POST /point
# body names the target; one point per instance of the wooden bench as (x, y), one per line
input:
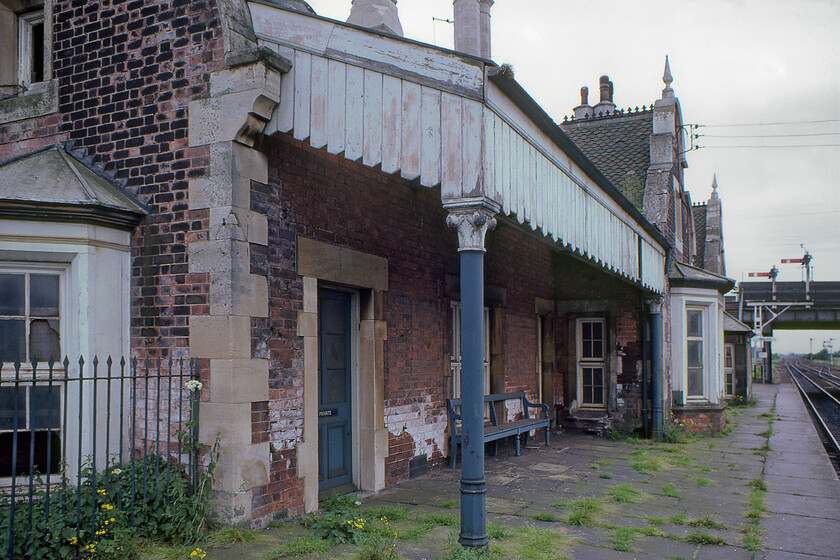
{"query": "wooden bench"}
(495, 431)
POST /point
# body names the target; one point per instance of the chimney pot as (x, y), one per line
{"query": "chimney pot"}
(584, 95)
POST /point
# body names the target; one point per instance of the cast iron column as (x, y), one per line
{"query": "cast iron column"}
(656, 364)
(472, 217)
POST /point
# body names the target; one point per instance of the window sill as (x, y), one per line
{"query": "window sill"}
(39, 100)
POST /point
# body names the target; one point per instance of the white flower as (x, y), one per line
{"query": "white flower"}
(194, 385)
(357, 502)
(117, 471)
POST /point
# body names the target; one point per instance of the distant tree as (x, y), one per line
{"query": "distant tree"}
(822, 354)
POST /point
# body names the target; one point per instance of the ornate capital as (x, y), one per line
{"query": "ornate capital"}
(473, 218)
(655, 305)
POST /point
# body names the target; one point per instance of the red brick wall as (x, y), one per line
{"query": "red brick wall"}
(126, 73)
(317, 195)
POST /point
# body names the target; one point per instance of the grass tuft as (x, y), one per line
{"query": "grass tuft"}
(498, 531)
(449, 504)
(441, 519)
(299, 547)
(704, 538)
(621, 537)
(706, 522)
(390, 513)
(582, 512)
(625, 493)
(644, 463)
(230, 535)
(671, 490)
(546, 516)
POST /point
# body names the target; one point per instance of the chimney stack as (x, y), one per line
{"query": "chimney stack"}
(467, 27)
(380, 15)
(472, 27)
(484, 7)
(583, 110)
(605, 106)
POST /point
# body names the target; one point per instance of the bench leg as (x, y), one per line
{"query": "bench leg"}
(453, 453)
(495, 448)
(517, 444)
(546, 436)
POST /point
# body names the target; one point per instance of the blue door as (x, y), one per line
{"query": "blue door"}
(334, 398)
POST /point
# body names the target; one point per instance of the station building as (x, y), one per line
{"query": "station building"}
(284, 197)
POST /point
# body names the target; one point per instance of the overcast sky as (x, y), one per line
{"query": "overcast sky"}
(734, 62)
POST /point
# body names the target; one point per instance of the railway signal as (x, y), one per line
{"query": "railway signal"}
(771, 274)
(805, 261)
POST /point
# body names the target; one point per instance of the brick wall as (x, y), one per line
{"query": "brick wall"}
(324, 197)
(126, 73)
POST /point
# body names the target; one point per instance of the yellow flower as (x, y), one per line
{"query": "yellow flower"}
(74, 540)
(107, 506)
(100, 491)
(198, 553)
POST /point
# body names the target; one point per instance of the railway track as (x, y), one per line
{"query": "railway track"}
(821, 394)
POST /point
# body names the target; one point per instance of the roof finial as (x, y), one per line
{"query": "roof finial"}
(667, 78)
(714, 188)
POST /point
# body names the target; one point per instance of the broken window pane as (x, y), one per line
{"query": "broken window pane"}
(43, 340)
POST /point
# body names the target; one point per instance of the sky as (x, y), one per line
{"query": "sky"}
(738, 66)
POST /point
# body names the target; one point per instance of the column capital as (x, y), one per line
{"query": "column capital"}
(473, 217)
(655, 305)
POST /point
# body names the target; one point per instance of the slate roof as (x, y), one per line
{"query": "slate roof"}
(52, 184)
(698, 211)
(620, 147)
(681, 274)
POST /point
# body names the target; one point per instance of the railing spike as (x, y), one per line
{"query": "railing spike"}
(109, 361)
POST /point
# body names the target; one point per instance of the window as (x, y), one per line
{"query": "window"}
(29, 330)
(29, 317)
(695, 352)
(729, 370)
(34, 412)
(31, 47)
(591, 351)
(455, 349)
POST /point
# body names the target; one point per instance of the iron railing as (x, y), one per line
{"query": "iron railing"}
(68, 431)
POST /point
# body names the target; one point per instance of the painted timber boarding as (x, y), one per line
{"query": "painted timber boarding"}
(436, 117)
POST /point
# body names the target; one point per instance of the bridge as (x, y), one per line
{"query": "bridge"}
(787, 305)
(784, 306)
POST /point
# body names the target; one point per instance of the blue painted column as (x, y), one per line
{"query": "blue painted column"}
(472, 217)
(656, 374)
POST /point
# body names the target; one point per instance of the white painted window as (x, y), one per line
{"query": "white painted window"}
(695, 351)
(729, 369)
(31, 48)
(29, 315)
(591, 362)
(455, 349)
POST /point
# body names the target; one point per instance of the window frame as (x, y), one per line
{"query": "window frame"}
(728, 370)
(26, 23)
(591, 362)
(28, 269)
(703, 339)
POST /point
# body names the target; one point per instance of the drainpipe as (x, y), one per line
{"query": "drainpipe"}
(645, 423)
(656, 364)
(472, 217)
